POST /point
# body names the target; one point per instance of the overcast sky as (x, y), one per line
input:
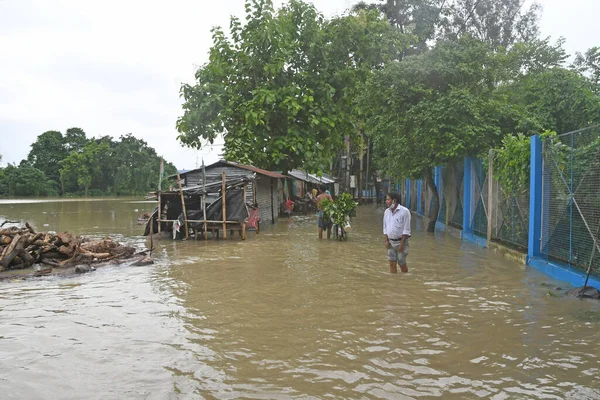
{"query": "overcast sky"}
(115, 67)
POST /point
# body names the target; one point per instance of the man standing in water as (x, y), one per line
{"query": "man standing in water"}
(320, 222)
(396, 230)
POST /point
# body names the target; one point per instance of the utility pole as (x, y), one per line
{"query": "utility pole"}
(359, 184)
(367, 180)
(348, 162)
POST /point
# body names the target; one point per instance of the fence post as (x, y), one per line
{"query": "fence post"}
(438, 184)
(535, 199)
(407, 190)
(467, 206)
(490, 204)
(419, 208)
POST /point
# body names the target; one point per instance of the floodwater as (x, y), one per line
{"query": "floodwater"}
(284, 315)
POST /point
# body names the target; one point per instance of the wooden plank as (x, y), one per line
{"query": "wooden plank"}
(204, 209)
(159, 214)
(245, 188)
(215, 222)
(245, 208)
(224, 197)
(151, 235)
(490, 195)
(183, 206)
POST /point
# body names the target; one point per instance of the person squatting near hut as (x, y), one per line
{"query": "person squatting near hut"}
(320, 222)
(396, 231)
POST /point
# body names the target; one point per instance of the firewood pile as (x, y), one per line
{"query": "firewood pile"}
(23, 247)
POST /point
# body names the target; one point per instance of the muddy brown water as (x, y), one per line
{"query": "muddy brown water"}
(284, 315)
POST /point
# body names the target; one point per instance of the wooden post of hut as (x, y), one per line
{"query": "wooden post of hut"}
(204, 212)
(490, 204)
(204, 199)
(243, 231)
(185, 222)
(224, 197)
(158, 216)
(161, 169)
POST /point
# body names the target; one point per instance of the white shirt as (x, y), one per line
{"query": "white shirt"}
(396, 223)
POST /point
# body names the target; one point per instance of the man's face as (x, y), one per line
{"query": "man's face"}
(388, 201)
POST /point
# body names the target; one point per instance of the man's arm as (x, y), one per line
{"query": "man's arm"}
(401, 247)
(385, 236)
(405, 231)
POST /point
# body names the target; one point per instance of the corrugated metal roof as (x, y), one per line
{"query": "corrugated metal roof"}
(210, 187)
(311, 178)
(253, 169)
(243, 166)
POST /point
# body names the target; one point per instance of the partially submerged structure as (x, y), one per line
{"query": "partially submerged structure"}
(195, 205)
(302, 182)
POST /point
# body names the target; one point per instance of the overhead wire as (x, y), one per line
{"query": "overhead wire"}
(468, 18)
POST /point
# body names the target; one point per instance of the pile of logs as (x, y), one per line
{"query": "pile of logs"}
(23, 247)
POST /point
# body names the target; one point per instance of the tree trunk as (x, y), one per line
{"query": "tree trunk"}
(359, 179)
(433, 213)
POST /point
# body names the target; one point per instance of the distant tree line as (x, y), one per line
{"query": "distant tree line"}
(73, 165)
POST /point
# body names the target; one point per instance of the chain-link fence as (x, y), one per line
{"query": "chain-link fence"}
(571, 198)
(510, 212)
(441, 194)
(413, 195)
(570, 203)
(511, 216)
(479, 178)
(457, 193)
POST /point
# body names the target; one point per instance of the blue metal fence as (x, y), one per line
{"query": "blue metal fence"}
(556, 218)
(571, 198)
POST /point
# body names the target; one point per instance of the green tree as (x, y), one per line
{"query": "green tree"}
(85, 165)
(434, 109)
(535, 56)
(3, 183)
(588, 64)
(499, 23)
(555, 99)
(137, 166)
(75, 140)
(26, 180)
(280, 87)
(104, 179)
(47, 152)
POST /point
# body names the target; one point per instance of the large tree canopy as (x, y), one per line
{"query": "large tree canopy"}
(280, 88)
(46, 153)
(588, 64)
(555, 99)
(499, 23)
(436, 108)
(25, 180)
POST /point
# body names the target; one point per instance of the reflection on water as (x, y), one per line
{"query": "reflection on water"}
(284, 315)
(90, 217)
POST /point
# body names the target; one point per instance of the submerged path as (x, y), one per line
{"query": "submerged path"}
(284, 315)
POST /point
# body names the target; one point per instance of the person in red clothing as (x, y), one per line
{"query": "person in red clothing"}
(289, 207)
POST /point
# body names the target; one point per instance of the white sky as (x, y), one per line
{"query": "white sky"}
(115, 67)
